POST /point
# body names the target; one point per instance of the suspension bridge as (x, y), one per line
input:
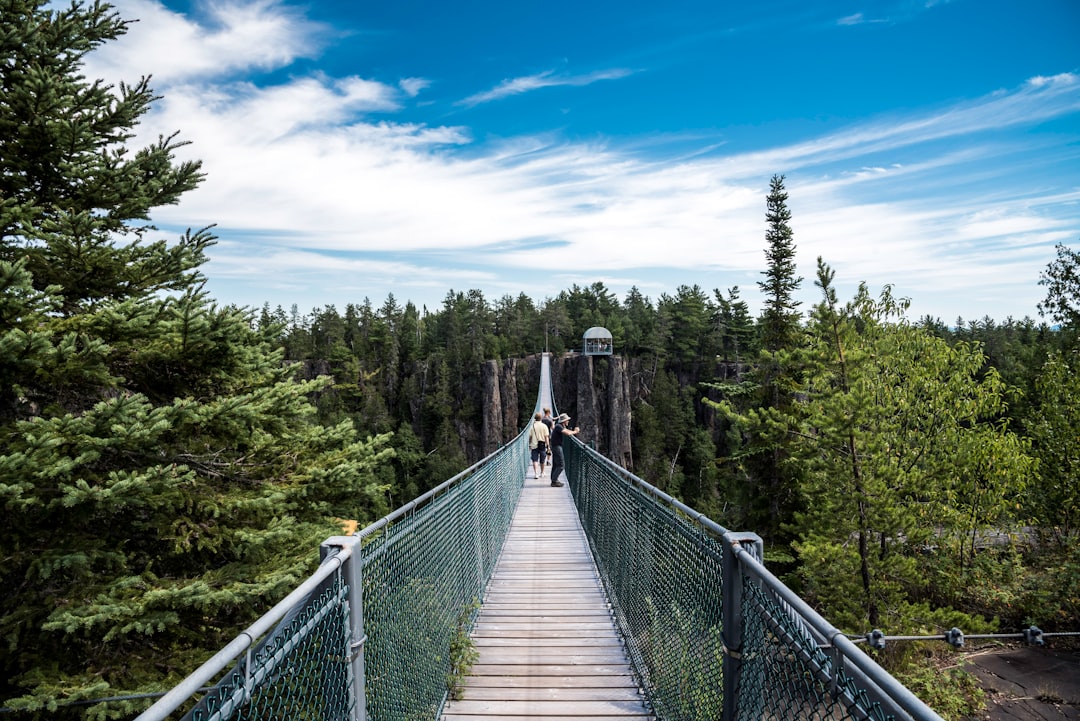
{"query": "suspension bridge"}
(497, 595)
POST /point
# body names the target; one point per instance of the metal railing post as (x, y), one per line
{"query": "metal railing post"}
(732, 632)
(352, 574)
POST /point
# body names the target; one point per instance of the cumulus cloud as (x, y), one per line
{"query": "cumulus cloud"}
(231, 36)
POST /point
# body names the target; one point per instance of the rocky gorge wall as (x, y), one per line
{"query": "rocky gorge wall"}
(593, 390)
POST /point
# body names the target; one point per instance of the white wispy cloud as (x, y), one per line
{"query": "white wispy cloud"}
(547, 79)
(894, 11)
(318, 190)
(413, 86)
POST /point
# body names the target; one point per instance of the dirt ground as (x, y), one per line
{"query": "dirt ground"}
(1028, 683)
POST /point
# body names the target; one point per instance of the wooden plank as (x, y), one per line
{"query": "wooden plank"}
(578, 708)
(538, 656)
(491, 632)
(599, 683)
(450, 716)
(548, 693)
(534, 641)
(551, 669)
(547, 644)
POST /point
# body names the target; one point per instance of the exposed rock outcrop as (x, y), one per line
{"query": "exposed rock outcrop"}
(491, 421)
(500, 416)
(594, 390)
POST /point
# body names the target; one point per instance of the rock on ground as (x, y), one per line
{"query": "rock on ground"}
(1028, 683)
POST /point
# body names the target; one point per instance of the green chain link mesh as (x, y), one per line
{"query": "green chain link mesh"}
(663, 573)
(423, 578)
(299, 671)
(423, 573)
(663, 579)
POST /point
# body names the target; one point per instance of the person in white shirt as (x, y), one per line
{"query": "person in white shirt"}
(538, 445)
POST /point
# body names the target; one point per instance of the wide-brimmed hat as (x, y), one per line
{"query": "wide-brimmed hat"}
(563, 418)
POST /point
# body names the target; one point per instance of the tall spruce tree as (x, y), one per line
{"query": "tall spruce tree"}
(771, 496)
(780, 316)
(162, 479)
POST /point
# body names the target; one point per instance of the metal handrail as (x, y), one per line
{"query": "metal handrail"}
(225, 658)
(846, 656)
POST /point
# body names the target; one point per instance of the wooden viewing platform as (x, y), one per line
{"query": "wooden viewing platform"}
(547, 644)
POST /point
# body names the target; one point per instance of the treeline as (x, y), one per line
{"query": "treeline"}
(416, 373)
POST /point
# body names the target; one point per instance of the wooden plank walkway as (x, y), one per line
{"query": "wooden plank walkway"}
(547, 643)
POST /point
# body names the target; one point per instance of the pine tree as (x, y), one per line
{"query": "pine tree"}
(735, 327)
(162, 477)
(640, 323)
(780, 317)
(762, 453)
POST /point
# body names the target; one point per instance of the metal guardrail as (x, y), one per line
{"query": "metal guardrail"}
(710, 631)
(369, 633)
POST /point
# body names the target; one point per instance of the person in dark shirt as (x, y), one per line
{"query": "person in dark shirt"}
(548, 421)
(557, 433)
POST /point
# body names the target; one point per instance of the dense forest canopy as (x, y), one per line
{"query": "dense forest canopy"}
(162, 472)
(168, 465)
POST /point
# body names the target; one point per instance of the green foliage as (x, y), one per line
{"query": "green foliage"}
(737, 335)
(780, 317)
(936, 675)
(686, 325)
(463, 653)
(162, 474)
(903, 450)
(687, 661)
(1054, 428)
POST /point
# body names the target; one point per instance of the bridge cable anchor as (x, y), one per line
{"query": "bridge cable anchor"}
(876, 639)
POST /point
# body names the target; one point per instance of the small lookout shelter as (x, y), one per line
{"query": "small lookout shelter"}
(597, 341)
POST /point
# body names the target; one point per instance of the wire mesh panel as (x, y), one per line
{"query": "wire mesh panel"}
(423, 576)
(663, 578)
(665, 567)
(299, 671)
(422, 570)
(790, 670)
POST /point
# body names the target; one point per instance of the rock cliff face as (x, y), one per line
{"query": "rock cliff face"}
(501, 417)
(593, 390)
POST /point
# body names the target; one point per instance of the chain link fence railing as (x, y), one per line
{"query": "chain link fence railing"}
(370, 634)
(710, 632)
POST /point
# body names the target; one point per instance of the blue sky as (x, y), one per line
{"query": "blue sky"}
(357, 149)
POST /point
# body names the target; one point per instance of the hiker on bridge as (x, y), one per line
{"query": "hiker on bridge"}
(538, 443)
(557, 433)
